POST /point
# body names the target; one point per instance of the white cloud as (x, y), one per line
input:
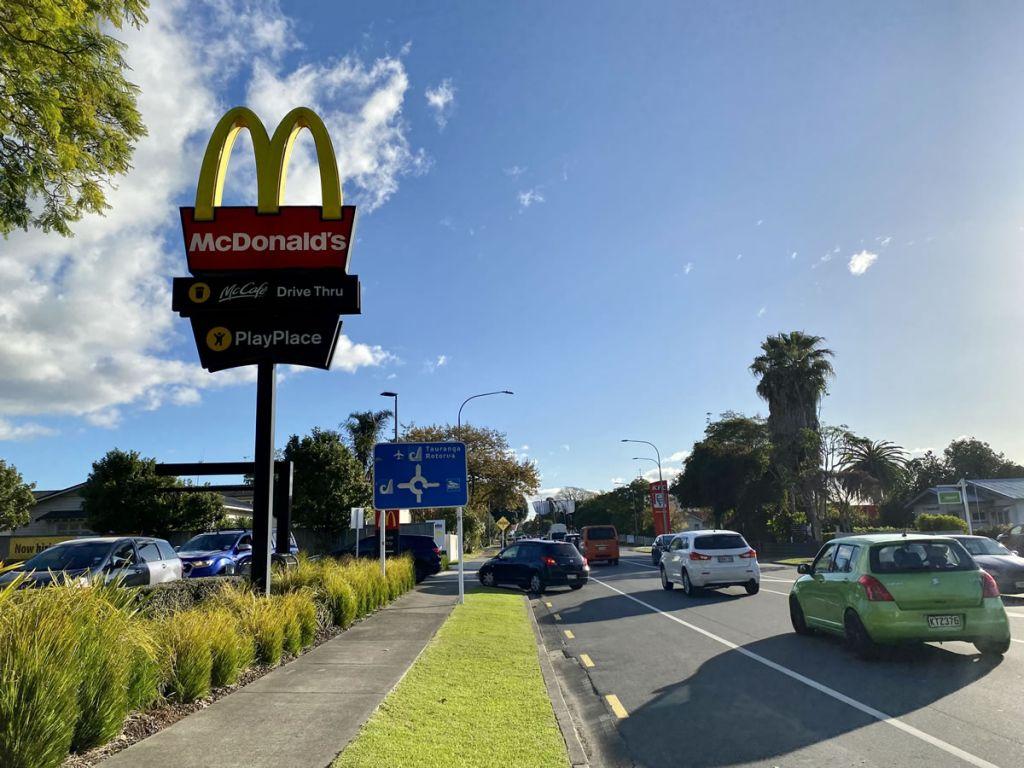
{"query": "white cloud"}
(530, 197)
(760, 222)
(86, 321)
(688, 268)
(26, 431)
(861, 262)
(739, 257)
(524, 448)
(433, 365)
(679, 456)
(441, 100)
(514, 171)
(793, 255)
(565, 447)
(667, 473)
(827, 257)
(618, 480)
(885, 241)
(761, 311)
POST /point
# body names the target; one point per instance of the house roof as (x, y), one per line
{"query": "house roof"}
(40, 495)
(1011, 488)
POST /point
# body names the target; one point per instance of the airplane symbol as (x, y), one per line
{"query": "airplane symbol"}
(418, 480)
(399, 455)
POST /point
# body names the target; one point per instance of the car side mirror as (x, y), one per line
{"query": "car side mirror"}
(245, 547)
(805, 569)
(177, 549)
(117, 564)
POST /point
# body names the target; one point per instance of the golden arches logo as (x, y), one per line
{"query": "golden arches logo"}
(272, 154)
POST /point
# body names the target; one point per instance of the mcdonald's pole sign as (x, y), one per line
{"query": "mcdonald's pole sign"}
(269, 282)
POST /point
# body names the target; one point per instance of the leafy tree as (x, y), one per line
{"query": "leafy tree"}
(123, 494)
(876, 468)
(16, 500)
(329, 481)
(727, 471)
(974, 459)
(498, 480)
(364, 429)
(793, 372)
(625, 507)
(68, 118)
(925, 472)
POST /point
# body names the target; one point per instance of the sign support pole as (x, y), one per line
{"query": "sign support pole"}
(462, 557)
(967, 507)
(263, 476)
(382, 524)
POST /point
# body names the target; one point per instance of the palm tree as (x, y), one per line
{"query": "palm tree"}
(879, 467)
(364, 428)
(794, 371)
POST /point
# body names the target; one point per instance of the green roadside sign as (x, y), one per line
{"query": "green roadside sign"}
(949, 497)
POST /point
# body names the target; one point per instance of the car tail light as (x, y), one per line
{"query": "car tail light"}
(699, 556)
(549, 560)
(875, 589)
(437, 551)
(749, 553)
(585, 563)
(989, 588)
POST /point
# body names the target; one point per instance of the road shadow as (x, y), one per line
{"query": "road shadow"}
(612, 606)
(716, 711)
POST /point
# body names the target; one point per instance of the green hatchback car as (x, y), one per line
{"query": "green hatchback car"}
(885, 589)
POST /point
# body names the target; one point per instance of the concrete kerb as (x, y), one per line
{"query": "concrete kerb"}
(577, 754)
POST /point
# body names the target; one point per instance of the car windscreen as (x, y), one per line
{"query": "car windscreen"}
(601, 533)
(918, 556)
(720, 541)
(69, 557)
(984, 547)
(209, 541)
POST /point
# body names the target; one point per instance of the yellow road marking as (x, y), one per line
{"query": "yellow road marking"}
(558, 617)
(616, 705)
(587, 662)
(569, 634)
(547, 603)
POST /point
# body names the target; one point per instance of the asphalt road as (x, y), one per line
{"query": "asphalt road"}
(722, 680)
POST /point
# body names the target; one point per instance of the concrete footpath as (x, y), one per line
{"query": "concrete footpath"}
(303, 714)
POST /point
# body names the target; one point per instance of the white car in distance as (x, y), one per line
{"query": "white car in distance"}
(710, 558)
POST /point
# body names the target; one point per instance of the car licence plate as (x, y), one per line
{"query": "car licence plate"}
(725, 558)
(945, 622)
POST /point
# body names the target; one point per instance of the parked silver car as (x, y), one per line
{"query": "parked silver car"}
(133, 561)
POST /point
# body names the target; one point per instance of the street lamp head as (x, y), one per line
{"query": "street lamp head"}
(507, 392)
(389, 394)
(626, 440)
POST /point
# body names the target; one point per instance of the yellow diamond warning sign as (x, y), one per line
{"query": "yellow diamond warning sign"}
(503, 523)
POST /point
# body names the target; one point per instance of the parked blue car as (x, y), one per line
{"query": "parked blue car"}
(220, 553)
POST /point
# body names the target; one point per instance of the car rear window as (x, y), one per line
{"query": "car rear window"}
(914, 556)
(720, 541)
(558, 549)
(601, 533)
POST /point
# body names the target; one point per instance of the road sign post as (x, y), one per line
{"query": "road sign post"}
(421, 476)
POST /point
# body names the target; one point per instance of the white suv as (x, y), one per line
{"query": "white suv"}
(698, 559)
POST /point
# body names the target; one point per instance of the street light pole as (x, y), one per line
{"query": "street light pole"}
(382, 519)
(462, 549)
(656, 451)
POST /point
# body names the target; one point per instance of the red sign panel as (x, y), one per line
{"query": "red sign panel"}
(390, 520)
(241, 238)
(659, 506)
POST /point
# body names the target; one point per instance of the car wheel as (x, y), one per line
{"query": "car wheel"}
(688, 588)
(537, 584)
(857, 637)
(753, 587)
(796, 617)
(575, 586)
(487, 578)
(665, 583)
(992, 647)
(615, 561)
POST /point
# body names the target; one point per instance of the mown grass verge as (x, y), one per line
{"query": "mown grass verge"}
(475, 698)
(76, 661)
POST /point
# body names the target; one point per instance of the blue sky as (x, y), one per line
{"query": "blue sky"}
(604, 207)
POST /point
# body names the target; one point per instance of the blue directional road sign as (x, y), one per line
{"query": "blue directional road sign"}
(419, 475)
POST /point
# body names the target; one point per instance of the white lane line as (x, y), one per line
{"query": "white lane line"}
(780, 581)
(1015, 615)
(878, 715)
(1016, 640)
(784, 594)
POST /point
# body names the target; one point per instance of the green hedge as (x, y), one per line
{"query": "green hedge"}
(940, 523)
(75, 661)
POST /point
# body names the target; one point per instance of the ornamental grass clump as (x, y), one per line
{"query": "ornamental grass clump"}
(231, 649)
(188, 645)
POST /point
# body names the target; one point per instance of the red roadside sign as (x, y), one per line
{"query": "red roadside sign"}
(659, 506)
